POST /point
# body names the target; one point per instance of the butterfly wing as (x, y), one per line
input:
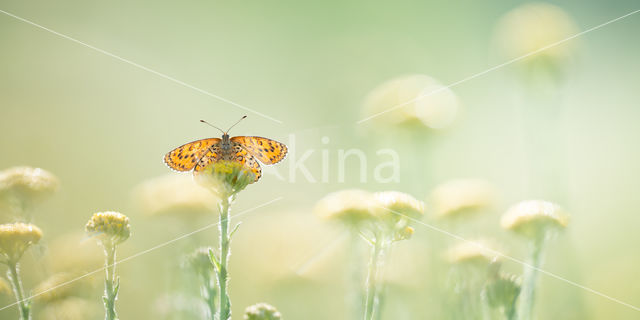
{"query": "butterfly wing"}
(237, 154)
(266, 150)
(185, 157)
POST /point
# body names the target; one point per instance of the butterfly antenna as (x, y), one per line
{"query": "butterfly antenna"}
(212, 125)
(236, 123)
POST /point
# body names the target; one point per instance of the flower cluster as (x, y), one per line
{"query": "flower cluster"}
(225, 178)
(27, 182)
(534, 219)
(262, 311)
(174, 194)
(533, 26)
(15, 239)
(420, 108)
(110, 226)
(388, 212)
(459, 198)
(477, 253)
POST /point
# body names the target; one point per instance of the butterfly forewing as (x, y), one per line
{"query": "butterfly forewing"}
(186, 157)
(266, 150)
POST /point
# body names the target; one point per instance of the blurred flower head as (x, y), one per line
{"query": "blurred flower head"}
(73, 253)
(69, 309)
(5, 287)
(534, 219)
(388, 212)
(225, 178)
(459, 198)
(351, 207)
(110, 227)
(534, 26)
(262, 311)
(15, 239)
(412, 100)
(396, 210)
(473, 253)
(26, 184)
(174, 194)
(502, 290)
(200, 261)
(58, 286)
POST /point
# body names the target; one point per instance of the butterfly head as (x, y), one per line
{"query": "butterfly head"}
(225, 134)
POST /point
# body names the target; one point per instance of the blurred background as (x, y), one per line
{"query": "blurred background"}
(560, 127)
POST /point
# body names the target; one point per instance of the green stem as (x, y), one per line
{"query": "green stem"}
(14, 277)
(374, 279)
(530, 277)
(111, 285)
(224, 302)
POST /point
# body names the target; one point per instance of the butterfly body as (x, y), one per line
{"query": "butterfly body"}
(247, 150)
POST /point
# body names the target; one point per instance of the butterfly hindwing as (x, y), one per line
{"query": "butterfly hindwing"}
(241, 155)
(266, 150)
(187, 156)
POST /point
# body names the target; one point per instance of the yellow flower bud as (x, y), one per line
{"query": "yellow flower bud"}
(109, 226)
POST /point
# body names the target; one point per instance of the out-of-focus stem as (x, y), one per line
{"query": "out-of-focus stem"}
(209, 293)
(14, 277)
(527, 295)
(374, 278)
(356, 274)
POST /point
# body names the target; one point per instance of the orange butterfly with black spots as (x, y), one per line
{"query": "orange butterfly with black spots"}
(197, 155)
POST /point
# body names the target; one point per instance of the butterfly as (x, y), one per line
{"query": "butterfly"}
(197, 155)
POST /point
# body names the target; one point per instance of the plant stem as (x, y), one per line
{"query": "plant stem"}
(110, 283)
(527, 295)
(225, 303)
(374, 278)
(14, 277)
